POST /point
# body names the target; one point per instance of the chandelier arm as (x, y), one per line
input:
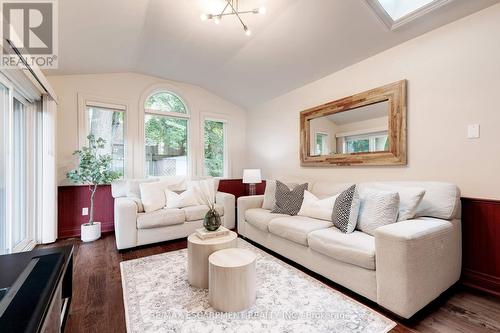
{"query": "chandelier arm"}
(236, 13)
(228, 14)
(222, 13)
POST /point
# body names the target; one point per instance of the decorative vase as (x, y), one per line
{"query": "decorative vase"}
(91, 232)
(212, 221)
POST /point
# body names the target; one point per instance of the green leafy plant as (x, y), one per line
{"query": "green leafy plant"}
(94, 169)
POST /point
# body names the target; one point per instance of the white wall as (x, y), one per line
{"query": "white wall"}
(453, 78)
(129, 88)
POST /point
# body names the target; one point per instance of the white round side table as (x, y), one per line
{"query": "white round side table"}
(231, 280)
(198, 252)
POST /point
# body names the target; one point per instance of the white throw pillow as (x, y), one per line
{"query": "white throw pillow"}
(175, 183)
(409, 199)
(378, 208)
(203, 189)
(184, 199)
(317, 208)
(133, 186)
(153, 195)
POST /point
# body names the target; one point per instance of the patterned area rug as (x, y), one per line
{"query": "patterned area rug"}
(158, 298)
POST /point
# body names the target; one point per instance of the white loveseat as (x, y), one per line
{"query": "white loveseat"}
(403, 267)
(134, 227)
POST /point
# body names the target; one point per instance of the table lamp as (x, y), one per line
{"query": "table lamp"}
(251, 177)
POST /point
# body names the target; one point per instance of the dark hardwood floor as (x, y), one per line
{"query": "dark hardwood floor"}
(97, 304)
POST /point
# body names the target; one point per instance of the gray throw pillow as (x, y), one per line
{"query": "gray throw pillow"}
(377, 208)
(346, 210)
(288, 201)
(270, 193)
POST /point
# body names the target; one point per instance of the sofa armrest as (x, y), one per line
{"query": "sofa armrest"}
(125, 223)
(416, 260)
(228, 201)
(245, 203)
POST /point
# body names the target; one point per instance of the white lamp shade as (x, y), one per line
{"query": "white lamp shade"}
(252, 176)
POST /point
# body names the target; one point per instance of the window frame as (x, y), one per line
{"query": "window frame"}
(206, 116)
(392, 24)
(323, 135)
(166, 113)
(88, 100)
(32, 183)
(141, 167)
(371, 137)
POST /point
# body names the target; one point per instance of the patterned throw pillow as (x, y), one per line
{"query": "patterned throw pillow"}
(288, 201)
(346, 209)
(270, 194)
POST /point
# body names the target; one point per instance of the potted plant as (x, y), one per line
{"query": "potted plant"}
(93, 170)
(212, 220)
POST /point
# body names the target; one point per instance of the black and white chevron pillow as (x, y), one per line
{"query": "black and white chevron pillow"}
(346, 210)
(288, 201)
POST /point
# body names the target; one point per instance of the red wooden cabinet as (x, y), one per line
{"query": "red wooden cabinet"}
(481, 244)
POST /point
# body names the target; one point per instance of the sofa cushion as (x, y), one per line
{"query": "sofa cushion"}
(355, 248)
(260, 218)
(296, 228)
(195, 213)
(160, 218)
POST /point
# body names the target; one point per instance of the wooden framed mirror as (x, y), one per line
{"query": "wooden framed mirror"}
(364, 129)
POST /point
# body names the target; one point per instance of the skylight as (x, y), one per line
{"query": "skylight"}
(398, 9)
(395, 13)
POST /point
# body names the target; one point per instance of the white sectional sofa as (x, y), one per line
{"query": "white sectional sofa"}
(134, 227)
(403, 267)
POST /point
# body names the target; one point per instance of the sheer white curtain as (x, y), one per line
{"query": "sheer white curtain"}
(48, 222)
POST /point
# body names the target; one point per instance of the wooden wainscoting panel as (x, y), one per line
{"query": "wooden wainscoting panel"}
(481, 244)
(71, 200)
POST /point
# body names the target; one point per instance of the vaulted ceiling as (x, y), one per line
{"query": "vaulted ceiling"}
(296, 42)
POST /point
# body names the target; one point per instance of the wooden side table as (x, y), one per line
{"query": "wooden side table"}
(198, 252)
(232, 280)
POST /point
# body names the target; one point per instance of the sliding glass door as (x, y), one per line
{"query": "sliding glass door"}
(20, 175)
(4, 109)
(19, 162)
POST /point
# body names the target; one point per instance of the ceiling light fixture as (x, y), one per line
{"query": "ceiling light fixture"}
(232, 8)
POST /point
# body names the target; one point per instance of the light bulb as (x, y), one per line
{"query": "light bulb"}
(217, 19)
(262, 10)
(204, 17)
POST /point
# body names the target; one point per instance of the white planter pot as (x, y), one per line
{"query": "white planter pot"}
(91, 232)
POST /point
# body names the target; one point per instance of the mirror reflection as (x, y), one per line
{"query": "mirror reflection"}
(360, 130)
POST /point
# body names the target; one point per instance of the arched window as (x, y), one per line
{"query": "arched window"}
(165, 101)
(166, 135)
